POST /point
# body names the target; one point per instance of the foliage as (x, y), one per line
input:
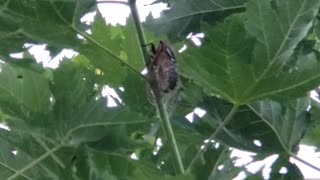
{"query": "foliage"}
(256, 65)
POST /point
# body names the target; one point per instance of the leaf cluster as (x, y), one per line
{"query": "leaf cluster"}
(258, 59)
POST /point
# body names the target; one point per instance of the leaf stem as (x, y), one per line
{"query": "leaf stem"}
(167, 128)
(12, 169)
(35, 162)
(140, 33)
(54, 157)
(214, 135)
(164, 118)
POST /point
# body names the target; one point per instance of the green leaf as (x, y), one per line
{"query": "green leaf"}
(115, 166)
(293, 172)
(228, 171)
(77, 84)
(9, 163)
(79, 110)
(221, 64)
(184, 16)
(131, 46)
(24, 87)
(225, 67)
(317, 27)
(289, 121)
(28, 151)
(313, 134)
(241, 132)
(62, 129)
(105, 38)
(135, 94)
(278, 27)
(45, 21)
(105, 166)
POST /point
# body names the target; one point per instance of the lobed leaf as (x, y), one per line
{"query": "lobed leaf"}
(184, 16)
(227, 63)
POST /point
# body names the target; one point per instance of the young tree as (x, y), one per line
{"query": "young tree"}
(252, 74)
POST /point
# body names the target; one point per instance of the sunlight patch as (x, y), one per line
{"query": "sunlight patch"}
(196, 38)
(5, 127)
(159, 144)
(196, 111)
(283, 170)
(17, 55)
(183, 48)
(220, 167)
(14, 152)
(134, 156)
(309, 154)
(112, 96)
(257, 142)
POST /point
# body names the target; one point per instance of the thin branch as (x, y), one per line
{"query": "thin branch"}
(164, 118)
(113, 2)
(35, 162)
(214, 135)
(69, 133)
(140, 33)
(304, 162)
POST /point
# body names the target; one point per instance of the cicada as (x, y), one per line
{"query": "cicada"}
(164, 66)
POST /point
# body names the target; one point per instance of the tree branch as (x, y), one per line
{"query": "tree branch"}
(164, 118)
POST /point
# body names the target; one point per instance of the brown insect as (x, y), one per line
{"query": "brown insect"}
(163, 64)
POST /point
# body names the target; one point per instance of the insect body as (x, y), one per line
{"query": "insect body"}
(164, 66)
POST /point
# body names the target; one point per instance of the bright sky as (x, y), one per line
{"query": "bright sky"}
(117, 13)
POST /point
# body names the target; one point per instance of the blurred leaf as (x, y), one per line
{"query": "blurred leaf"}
(289, 121)
(77, 84)
(317, 27)
(59, 121)
(78, 108)
(228, 170)
(131, 46)
(184, 16)
(135, 94)
(275, 45)
(115, 166)
(40, 22)
(293, 171)
(24, 87)
(225, 67)
(313, 134)
(10, 163)
(28, 151)
(105, 38)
